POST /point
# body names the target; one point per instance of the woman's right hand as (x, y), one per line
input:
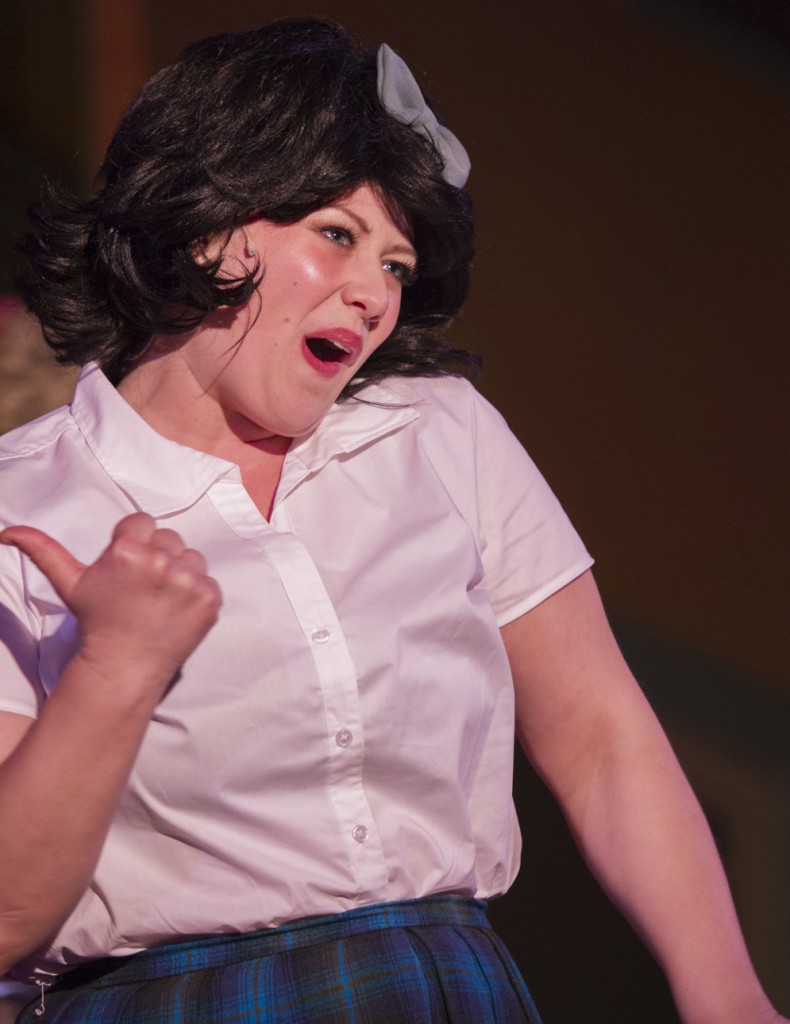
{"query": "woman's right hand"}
(145, 603)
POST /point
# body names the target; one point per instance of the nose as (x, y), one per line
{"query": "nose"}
(368, 289)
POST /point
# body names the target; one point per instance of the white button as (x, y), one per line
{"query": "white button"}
(360, 833)
(319, 636)
(343, 738)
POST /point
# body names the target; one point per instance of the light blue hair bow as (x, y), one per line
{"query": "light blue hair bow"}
(402, 99)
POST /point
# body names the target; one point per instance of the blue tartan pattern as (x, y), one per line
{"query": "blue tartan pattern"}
(427, 961)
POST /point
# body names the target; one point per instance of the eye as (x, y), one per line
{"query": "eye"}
(338, 235)
(403, 272)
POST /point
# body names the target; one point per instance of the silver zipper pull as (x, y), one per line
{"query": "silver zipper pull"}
(41, 1009)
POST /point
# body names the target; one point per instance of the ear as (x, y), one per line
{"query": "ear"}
(199, 253)
(211, 248)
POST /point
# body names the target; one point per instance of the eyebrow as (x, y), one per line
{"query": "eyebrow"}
(364, 227)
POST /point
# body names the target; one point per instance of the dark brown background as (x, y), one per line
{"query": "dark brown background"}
(630, 172)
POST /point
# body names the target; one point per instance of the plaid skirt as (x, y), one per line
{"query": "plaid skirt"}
(427, 961)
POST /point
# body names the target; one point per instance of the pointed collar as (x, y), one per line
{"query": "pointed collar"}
(159, 475)
(163, 476)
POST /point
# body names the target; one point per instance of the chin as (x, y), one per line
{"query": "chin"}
(297, 427)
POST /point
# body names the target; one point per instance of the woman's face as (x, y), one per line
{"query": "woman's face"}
(330, 295)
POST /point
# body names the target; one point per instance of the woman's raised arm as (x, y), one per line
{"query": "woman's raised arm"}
(588, 730)
(142, 607)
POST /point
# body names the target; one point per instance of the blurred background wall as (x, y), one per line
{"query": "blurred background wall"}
(631, 301)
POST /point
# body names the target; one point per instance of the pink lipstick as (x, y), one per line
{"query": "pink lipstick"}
(331, 350)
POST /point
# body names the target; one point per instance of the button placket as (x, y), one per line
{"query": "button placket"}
(337, 676)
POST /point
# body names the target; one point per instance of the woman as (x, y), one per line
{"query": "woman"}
(286, 586)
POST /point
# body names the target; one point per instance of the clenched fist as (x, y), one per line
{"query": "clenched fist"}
(143, 606)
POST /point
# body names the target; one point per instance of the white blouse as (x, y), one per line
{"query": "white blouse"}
(344, 734)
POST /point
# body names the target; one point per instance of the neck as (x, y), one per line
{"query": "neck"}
(172, 404)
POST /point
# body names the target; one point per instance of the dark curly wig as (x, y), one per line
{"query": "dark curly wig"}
(280, 120)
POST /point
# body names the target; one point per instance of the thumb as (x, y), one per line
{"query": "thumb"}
(59, 566)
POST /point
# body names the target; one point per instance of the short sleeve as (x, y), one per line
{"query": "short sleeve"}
(20, 687)
(528, 545)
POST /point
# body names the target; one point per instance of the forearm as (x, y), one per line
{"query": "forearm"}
(58, 792)
(644, 836)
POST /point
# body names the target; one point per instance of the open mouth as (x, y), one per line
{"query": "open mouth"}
(328, 350)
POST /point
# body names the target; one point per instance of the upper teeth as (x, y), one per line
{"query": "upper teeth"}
(339, 345)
